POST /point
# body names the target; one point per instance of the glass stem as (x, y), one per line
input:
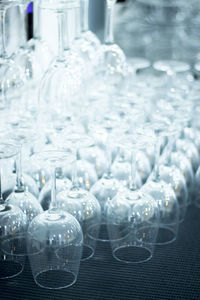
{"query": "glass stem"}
(168, 150)
(1, 196)
(77, 22)
(36, 19)
(60, 17)
(132, 181)
(19, 179)
(109, 39)
(84, 4)
(157, 158)
(22, 8)
(53, 188)
(67, 35)
(74, 173)
(2, 42)
(109, 157)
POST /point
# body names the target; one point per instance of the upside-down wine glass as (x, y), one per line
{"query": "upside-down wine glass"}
(107, 186)
(21, 196)
(12, 79)
(62, 81)
(170, 174)
(133, 215)
(33, 57)
(111, 59)
(78, 201)
(81, 45)
(13, 224)
(54, 238)
(163, 193)
(85, 32)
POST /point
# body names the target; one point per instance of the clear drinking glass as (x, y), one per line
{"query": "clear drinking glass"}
(133, 215)
(111, 58)
(54, 238)
(13, 225)
(78, 201)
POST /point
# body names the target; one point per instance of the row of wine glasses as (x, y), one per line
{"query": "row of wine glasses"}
(111, 153)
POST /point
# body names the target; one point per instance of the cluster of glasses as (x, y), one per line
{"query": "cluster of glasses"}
(159, 29)
(94, 147)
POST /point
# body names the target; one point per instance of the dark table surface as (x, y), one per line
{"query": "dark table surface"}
(173, 273)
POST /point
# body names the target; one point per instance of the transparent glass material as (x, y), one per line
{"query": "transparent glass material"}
(86, 209)
(169, 210)
(54, 238)
(27, 202)
(54, 245)
(45, 194)
(13, 224)
(111, 58)
(182, 162)
(176, 180)
(77, 201)
(133, 220)
(191, 152)
(21, 197)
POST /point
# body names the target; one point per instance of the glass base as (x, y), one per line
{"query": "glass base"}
(10, 269)
(165, 236)
(118, 232)
(87, 253)
(55, 279)
(132, 254)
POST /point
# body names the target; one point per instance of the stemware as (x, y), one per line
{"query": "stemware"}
(12, 79)
(166, 199)
(85, 48)
(133, 215)
(79, 202)
(170, 174)
(111, 59)
(107, 186)
(21, 196)
(62, 80)
(87, 34)
(13, 225)
(33, 57)
(54, 238)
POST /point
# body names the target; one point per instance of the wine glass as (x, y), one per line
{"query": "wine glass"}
(21, 196)
(107, 186)
(12, 79)
(62, 80)
(133, 215)
(82, 45)
(54, 238)
(13, 225)
(79, 202)
(87, 34)
(111, 58)
(33, 57)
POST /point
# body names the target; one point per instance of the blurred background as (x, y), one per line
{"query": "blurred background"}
(154, 29)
